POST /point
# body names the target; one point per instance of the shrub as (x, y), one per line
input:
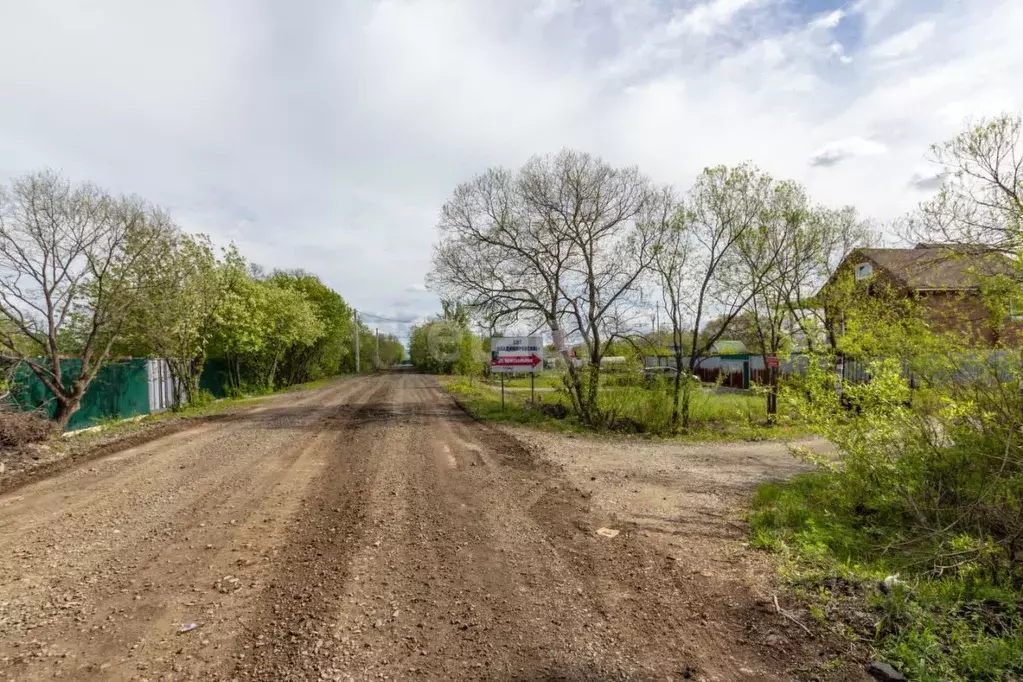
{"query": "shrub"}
(928, 490)
(554, 410)
(944, 482)
(202, 398)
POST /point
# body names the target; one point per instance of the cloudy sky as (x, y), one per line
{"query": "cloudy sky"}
(326, 134)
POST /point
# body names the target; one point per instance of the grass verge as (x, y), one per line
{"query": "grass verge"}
(634, 410)
(209, 408)
(853, 575)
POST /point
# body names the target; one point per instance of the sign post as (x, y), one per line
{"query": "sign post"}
(516, 355)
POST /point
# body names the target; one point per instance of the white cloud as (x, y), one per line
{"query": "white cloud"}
(838, 151)
(905, 42)
(711, 16)
(328, 135)
(829, 20)
(545, 10)
(839, 52)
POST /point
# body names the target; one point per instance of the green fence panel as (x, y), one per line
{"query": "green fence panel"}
(215, 377)
(120, 390)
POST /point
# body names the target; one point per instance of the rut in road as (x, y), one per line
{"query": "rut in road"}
(365, 531)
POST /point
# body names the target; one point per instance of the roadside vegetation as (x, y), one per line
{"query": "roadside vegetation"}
(631, 409)
(912, 541)
(86, 276)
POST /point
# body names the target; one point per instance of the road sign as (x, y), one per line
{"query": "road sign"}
(522, 354)
(772, 360)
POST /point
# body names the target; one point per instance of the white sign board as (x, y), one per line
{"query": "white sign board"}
(521, 354)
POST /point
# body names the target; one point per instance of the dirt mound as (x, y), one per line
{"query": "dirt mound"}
(22, 428)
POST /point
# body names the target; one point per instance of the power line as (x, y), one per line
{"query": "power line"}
(365, 315)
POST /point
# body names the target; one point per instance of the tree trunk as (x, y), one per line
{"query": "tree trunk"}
(685, 406)
(66, 408)
(592, 409)
(273, 372)
(195, 368)
(772, 394)
(179, 390)
(575, 391)
(687, 394)
(234, 373)
(676, 416)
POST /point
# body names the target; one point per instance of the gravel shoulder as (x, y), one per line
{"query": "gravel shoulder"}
(372, 530)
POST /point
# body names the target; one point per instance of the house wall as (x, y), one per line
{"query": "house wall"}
(964, 313)
(957, 312)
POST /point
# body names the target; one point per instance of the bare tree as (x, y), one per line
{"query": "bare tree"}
(66, 267)
(671, 267)
(562, 244)
(784, 253)
(981, 199)
(700, 267)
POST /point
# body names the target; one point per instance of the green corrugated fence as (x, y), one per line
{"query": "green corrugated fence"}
(120, 389)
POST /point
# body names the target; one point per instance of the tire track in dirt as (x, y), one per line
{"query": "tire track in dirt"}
(218, 552)
(95, 590)
(291, 630)
(451, 578)
(562, 621)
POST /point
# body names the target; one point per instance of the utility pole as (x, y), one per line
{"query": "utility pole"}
(376, 356)
(356, 341)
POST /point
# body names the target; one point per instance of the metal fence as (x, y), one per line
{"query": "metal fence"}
(161, 386)
(122, 389)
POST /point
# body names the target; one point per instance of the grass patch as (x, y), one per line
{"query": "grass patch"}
(484, 403)
(318, 383)
(931, 627)
(541, 380)
(637, 410)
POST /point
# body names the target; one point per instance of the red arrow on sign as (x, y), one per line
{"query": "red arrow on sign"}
(517, 361)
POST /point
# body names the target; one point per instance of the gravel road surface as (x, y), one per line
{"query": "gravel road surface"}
(367, 530)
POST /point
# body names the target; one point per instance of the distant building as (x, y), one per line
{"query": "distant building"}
(729, 363)
(945, 279)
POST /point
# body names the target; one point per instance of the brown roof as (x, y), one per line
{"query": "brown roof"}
(948, 267)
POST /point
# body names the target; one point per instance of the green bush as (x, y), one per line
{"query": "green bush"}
(929, 491)
(203, 398)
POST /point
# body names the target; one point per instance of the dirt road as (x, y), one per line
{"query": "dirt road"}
(368, 530)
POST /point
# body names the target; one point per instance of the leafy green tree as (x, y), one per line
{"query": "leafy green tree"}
(258, 323)
(470, 362)
(435, 346)
(177, 313)
(392, 350)
(333, 351)
(292, 325)
(447, 345)
(240, 324)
